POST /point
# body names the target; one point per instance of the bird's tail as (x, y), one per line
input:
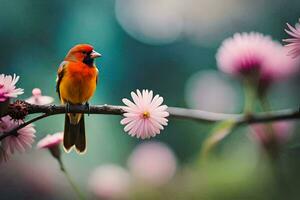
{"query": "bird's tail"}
(74, 133)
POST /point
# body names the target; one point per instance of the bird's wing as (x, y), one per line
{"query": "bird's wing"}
(97, 75)
(60, 74)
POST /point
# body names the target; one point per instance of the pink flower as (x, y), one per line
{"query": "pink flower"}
(281, 130)
(293, 45)
(245, 53)
(280, 66)
(50, 141)
(38, 99)
(8, 88)
(153, 163)
(3, 155)
(271, 137)
(145, 116)
(109, 182)
(22, 141)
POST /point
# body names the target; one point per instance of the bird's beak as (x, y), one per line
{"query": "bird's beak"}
(95, 54)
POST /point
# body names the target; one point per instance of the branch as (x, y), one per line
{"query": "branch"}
(61, 109)
(239, 119)
(180, 113)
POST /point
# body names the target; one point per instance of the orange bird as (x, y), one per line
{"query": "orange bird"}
(76, 82)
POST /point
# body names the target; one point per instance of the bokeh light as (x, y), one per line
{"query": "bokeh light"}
(152, 163)
(211, 91)
(109, 182)
(151, 21)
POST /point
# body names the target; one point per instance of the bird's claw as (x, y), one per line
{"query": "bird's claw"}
(68, 107)
(88, 107)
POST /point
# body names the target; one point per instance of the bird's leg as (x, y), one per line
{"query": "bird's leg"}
(87, 104)
(68, 107)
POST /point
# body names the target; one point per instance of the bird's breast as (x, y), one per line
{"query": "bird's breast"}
(78, 84)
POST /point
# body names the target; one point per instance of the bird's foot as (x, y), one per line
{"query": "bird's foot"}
(87, 105)
(68, 107)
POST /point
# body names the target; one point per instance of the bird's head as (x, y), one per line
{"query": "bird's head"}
(83, 53)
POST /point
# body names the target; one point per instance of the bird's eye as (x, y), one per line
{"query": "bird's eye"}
(84, 52)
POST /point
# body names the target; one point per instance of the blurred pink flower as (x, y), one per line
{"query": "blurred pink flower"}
(293, 45)
(37, 174)
(205, 88)
(38, 99)
(272, 136)
(3, 155)
(8, 88)
(109, 182)
(245, 53)
(22, 141)
(50, 141)
(153, 163)
(145, 116)
(280, 66)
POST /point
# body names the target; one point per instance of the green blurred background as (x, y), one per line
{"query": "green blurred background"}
(159, 45)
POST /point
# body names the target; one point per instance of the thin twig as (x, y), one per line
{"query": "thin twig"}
(240, 119)
(15, 130)
(70, 180)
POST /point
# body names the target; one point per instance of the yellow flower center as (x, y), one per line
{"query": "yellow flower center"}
(146, 115)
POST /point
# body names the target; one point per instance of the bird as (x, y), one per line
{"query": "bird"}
(76, 82)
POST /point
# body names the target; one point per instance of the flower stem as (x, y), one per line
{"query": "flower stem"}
(265, 104)
(250, 95)
(73, 185)
(274, 152)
